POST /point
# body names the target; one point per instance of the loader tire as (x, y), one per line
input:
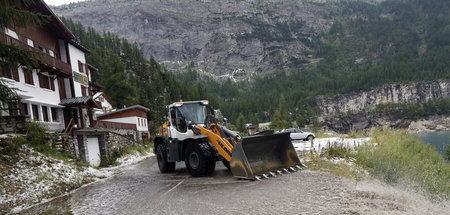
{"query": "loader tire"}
(200, 160)
(310, 137)
(164, 165)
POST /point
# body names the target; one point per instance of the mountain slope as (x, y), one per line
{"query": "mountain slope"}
(223, 38)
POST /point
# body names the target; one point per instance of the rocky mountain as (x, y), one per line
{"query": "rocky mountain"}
(229, 38)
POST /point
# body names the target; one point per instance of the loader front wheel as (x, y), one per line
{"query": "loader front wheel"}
(199, 159)
(164, 165)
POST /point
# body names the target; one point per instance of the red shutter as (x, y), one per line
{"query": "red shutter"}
(30, 73)
(80, 67)
(52, 84)
(41, 80)
(15, 73)
(87, 70)
(83, 90)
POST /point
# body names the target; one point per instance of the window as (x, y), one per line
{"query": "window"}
(35, 112)
(6, 73)
(11, 74)
(46, 82)
(81, 67)
(51, 53)
(42, 48)
(45, 113)
(55, 114)
(30, 42)
(28, 76)
(11, 33)
(139, 122)
(25, 111)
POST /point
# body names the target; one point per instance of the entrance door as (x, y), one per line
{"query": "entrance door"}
(93, 151)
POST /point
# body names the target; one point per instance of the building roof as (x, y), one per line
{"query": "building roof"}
(92, 67)
(124, 109)
(104, 96)
(75, 101)
(55, 24)
(79, 46)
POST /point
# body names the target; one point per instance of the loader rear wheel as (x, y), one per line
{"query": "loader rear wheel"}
(164, 165)
(199, 159)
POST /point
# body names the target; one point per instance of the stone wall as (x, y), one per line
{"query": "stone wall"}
(116, 140)
(109, 140)
(12, 124)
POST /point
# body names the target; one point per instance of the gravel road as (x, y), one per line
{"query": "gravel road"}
(141, 189)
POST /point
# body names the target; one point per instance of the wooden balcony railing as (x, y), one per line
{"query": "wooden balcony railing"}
(43, 58)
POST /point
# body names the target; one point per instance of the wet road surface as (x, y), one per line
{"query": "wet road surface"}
(142, 189)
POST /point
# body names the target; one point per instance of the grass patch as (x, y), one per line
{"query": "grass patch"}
(399, 158)
(321, 134)
(319, 162)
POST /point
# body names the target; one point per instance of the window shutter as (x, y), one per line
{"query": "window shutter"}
(52, 84)
(15, 73)
(30, 73)
(83, 90)
(87, 70)
(80, 67)
(41, 80)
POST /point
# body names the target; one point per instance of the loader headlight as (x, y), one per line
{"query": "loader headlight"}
(204, 102)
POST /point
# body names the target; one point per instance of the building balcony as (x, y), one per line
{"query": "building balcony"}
(47, 62)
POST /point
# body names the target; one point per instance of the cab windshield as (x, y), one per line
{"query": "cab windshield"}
(194, 112)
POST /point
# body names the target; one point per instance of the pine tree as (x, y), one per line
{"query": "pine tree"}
(240, 123)
(280, 118)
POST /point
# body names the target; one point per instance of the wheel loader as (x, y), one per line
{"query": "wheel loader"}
(192, 135)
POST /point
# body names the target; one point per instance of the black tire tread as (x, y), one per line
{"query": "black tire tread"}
(207, 159)
(165, 166)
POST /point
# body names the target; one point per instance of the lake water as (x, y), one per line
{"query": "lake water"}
(438, 139)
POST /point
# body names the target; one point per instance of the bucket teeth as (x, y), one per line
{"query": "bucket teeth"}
(265, 176)
(279, 172)
(258, 178)
(292, 168)
(298, 167)
(273, 174)
(286, 170)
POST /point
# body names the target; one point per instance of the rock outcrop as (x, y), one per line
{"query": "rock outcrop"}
(389, 93)
(345, 112)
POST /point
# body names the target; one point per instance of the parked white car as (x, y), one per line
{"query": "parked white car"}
(297, 134)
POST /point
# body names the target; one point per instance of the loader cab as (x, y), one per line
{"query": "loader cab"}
(183, 113)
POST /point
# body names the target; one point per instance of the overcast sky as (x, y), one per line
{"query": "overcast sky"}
(60, 2)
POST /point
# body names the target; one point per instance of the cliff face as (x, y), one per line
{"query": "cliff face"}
(236, 39)
(389, 93)
(352, 111)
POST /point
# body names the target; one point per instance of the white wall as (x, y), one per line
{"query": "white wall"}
(75, 56)
(105, 103)
(34, 95)
(132, 120)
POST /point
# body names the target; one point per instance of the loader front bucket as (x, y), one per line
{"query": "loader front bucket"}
(263, 155)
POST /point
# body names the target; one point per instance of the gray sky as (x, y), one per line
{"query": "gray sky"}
(60, 2)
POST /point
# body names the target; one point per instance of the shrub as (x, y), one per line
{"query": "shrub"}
(400, 158)
(336, 150)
